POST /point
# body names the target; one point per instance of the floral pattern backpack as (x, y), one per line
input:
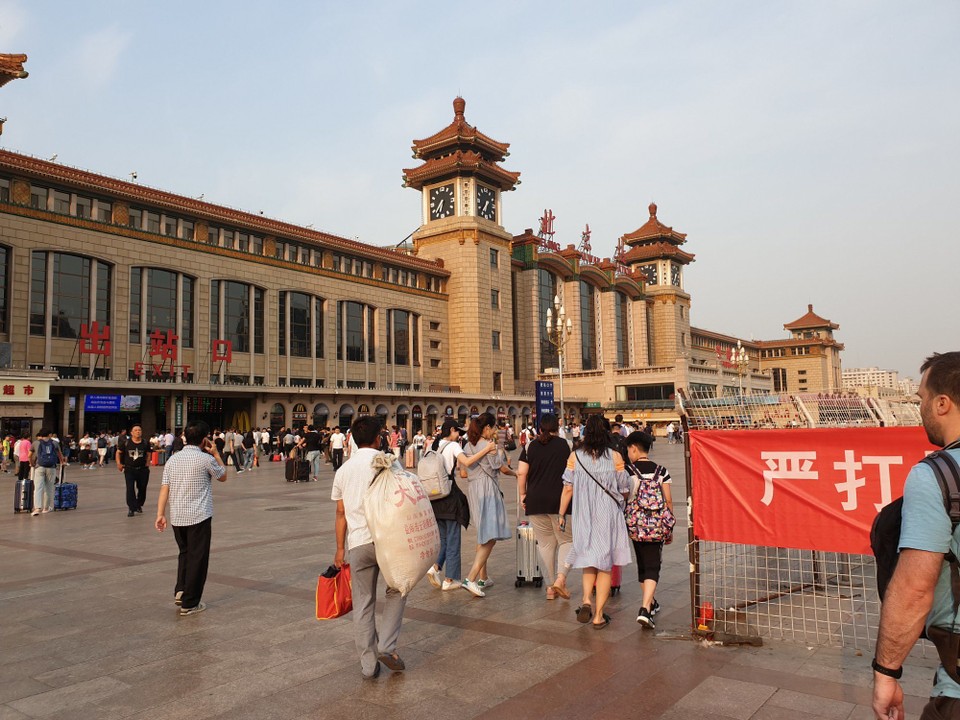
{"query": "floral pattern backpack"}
(647, 515)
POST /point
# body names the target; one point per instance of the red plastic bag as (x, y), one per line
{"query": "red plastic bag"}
(334, 596)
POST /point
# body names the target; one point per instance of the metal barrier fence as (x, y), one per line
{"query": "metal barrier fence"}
(807, 596)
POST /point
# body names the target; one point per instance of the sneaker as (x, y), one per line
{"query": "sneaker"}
(645, 619)
(375, 675)
(485, 584)
(655, 608)
(46, 510)
(140, 509)
(177, 599)
(433, 575)
(35, 512)
(451, 584)
(239, 472)
(199, 608)
(131, 513)
(473, 588)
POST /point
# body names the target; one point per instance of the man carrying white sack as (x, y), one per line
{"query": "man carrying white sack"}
(349, 487)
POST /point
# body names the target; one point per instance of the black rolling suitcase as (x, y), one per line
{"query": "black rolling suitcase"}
(23, 497)
(297, 469)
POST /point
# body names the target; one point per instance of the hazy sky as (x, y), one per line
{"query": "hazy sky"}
(809, 149)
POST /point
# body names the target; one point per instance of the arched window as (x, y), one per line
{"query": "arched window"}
(77, 284)
(403, 337)
(155, 295)
(547, 290)
(230, 316)
(278, 417)
(588, 326)
(321, 415)
(4, 285)
(305, 313)
(355, 331)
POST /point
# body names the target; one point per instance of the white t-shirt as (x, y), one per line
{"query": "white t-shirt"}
(336, 441)
(449, 451)
(350, 485)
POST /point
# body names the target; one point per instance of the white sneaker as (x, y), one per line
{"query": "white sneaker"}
(484, 584)
(451, 584)
(472, 587)
(433, 575)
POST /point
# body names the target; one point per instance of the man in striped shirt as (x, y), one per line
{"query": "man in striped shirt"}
(188, 483)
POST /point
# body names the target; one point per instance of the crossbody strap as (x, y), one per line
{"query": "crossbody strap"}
(947, 472)
(602, 486)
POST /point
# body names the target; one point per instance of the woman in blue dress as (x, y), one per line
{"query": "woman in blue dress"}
(487, 511)
(597, 483)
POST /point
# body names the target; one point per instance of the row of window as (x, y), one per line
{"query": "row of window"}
(65, 202)
(64, 288)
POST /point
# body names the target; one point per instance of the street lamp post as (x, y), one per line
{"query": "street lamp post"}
(742, 361)
(559, 330)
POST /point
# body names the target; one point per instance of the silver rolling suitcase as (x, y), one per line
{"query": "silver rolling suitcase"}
(528, 555)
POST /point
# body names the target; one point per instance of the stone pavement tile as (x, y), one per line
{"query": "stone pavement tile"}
(53, 701)
(8, 713)
(728, 698)
(446, 641)
(772, 712)
(309, 667)
(354, 709)
(25, 687)
(235, 692)
(31, 667)
(79, 672)
(865, 712)
(811, 704)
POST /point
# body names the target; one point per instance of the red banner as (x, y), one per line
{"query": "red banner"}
(808, 489)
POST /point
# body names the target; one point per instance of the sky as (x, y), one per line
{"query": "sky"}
(810, 150)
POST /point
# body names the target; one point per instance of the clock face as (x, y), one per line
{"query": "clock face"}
(486, 203)
(441, 202)
(651, 272)
(675, 274)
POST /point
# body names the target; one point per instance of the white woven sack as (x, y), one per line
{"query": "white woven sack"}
(402, 524)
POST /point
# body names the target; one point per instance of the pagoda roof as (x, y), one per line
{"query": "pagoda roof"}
(653, 229)
(11, 68)
(135, 192)
(653, 251)
(459, 134)
(810, 320)
(456, 163)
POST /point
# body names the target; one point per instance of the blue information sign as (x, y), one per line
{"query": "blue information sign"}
(101, 403)
(544, 399)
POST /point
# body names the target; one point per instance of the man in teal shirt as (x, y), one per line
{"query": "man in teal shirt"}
(919, 593)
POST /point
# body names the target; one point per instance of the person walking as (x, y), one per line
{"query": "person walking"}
(540, 484)
(451, 512)
(376, 646)
(249, 450)
(337, 439)
(45, 459)
(311, 444)
(132, 460)
(596, 482)
(919, 594)
(485, 499)
(22, 453)
(654, 481)
(419, 442)
(188, 484)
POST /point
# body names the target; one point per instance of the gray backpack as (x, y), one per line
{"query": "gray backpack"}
(436, 481)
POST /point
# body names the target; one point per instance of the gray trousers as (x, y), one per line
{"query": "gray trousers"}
(364, 573)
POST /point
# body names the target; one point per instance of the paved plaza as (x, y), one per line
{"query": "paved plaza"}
(89, 629)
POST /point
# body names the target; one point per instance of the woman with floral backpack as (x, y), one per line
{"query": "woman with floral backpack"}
(650, 519)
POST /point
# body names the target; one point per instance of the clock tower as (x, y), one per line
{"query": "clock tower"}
(655, 251)
(461, 184)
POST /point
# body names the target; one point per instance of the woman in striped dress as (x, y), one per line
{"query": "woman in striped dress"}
(596, 482)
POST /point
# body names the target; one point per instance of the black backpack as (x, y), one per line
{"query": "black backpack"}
(885, 541)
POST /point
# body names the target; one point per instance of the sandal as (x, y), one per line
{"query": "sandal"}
(602, 625)
(551, 593)
(584, 613)
(561, 591)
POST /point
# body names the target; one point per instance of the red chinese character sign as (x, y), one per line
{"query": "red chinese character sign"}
(222, 351)
(809, 489)
(94, 339)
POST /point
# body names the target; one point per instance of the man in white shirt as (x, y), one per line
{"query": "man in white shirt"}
(349, 486)
(336, 448)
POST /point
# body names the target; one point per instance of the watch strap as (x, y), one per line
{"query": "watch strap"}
(889, 672)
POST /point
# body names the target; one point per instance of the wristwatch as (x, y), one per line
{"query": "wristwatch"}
(895, 674)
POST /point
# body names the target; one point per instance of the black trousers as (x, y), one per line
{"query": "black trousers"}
(337, 456)
(137, 479)
(194, 544)
(649, 557)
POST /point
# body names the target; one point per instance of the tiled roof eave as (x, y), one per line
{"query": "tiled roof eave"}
(132, 192)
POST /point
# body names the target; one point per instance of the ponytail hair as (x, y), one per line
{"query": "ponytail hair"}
(477, 425)
(548, 425)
